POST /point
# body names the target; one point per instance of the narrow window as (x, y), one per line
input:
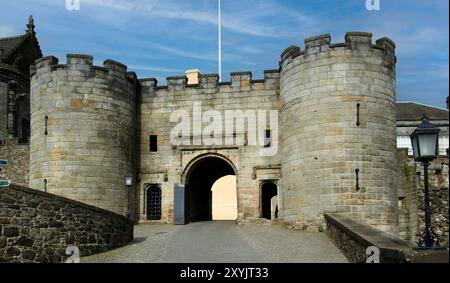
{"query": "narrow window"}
(153, 143)
(46, 125)
(357, 180)
(358, 106)
(268, 139)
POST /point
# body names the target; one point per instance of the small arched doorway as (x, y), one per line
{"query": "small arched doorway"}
(153, 196)
(269, 190)
(199, 179)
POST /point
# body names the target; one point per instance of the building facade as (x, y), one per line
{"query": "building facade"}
(329, 135)
(336, 149)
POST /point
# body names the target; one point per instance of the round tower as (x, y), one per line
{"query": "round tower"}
(83, 130)
(339, 131)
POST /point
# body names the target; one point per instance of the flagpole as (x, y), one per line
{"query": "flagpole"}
(220, 40)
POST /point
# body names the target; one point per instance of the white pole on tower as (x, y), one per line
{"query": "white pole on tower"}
(220, 41)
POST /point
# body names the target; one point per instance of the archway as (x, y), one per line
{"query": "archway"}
(199, 179)
(268, 191)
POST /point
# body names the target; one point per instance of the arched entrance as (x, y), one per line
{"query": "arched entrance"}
(200, 176)
(269, 190)
(153, 197)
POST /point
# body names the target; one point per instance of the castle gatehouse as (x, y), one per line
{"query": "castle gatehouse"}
(335, 136)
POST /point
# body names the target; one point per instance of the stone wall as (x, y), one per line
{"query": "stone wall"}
(38, 227)
(18, 156)
(438, 190)
(354, 239)
(408, 212)
(411, 198)
(3, 110)
(84, 125)
(170, 164)
(338, 125)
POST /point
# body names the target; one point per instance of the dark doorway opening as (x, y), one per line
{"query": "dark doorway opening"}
(154, 197)
(25, 131)
(268, 191)
(199, 181)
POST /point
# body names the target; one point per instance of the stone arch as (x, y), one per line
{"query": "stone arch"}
(269, 207)
(199, 176)
(188, 168)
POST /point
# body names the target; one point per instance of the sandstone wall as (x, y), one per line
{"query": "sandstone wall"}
(3, 109)
(241, 93)
(18, 156)
(83, 121)
(38, 227)
(323, 145)
(411, 193)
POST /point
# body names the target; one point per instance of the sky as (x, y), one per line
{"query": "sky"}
(161, 38)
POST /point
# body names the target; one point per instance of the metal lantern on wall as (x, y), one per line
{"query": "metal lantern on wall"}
(129, 183)
(129, 179)
(425, 141)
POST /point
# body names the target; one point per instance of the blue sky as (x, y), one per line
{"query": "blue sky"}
(160, 38)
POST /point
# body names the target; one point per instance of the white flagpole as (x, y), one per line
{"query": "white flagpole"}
(220, 41)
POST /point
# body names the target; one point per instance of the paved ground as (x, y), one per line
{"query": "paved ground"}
(222, 242)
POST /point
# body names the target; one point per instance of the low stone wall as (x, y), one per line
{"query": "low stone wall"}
(18, 156)
(38, 227)
(354, 238)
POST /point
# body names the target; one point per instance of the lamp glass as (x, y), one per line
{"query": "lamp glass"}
(415, 144)
(428, 144)
(129, 179)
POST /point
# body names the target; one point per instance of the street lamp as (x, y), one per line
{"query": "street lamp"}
(129, 183)
(426, 148)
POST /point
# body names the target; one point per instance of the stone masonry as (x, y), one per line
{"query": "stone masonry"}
(84, 128)
(338, 129)
(90, 125)
(411, 194)
(18, 156)
(39, 227)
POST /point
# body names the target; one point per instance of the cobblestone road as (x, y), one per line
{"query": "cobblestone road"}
(222, 242)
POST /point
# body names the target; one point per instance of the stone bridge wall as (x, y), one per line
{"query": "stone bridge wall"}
(38, 227)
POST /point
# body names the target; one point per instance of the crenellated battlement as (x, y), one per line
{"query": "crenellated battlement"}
(211, 81)
(80, 64)
(355, 41)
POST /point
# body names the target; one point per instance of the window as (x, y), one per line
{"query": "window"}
(153, 143)
(268, 139)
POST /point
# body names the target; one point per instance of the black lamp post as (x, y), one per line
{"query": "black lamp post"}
(129, 183)
(425, 142)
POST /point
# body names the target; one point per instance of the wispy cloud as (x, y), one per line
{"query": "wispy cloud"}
(6, 31)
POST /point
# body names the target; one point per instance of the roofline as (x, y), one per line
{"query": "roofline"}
(413, 102)
(12, 37)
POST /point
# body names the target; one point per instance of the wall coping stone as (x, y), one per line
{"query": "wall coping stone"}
(392, 249)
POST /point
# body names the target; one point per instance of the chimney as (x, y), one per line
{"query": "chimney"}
(193, 76)
(447, 103)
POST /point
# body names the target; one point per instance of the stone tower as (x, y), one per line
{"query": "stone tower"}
(84, 130)
(338, 131)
